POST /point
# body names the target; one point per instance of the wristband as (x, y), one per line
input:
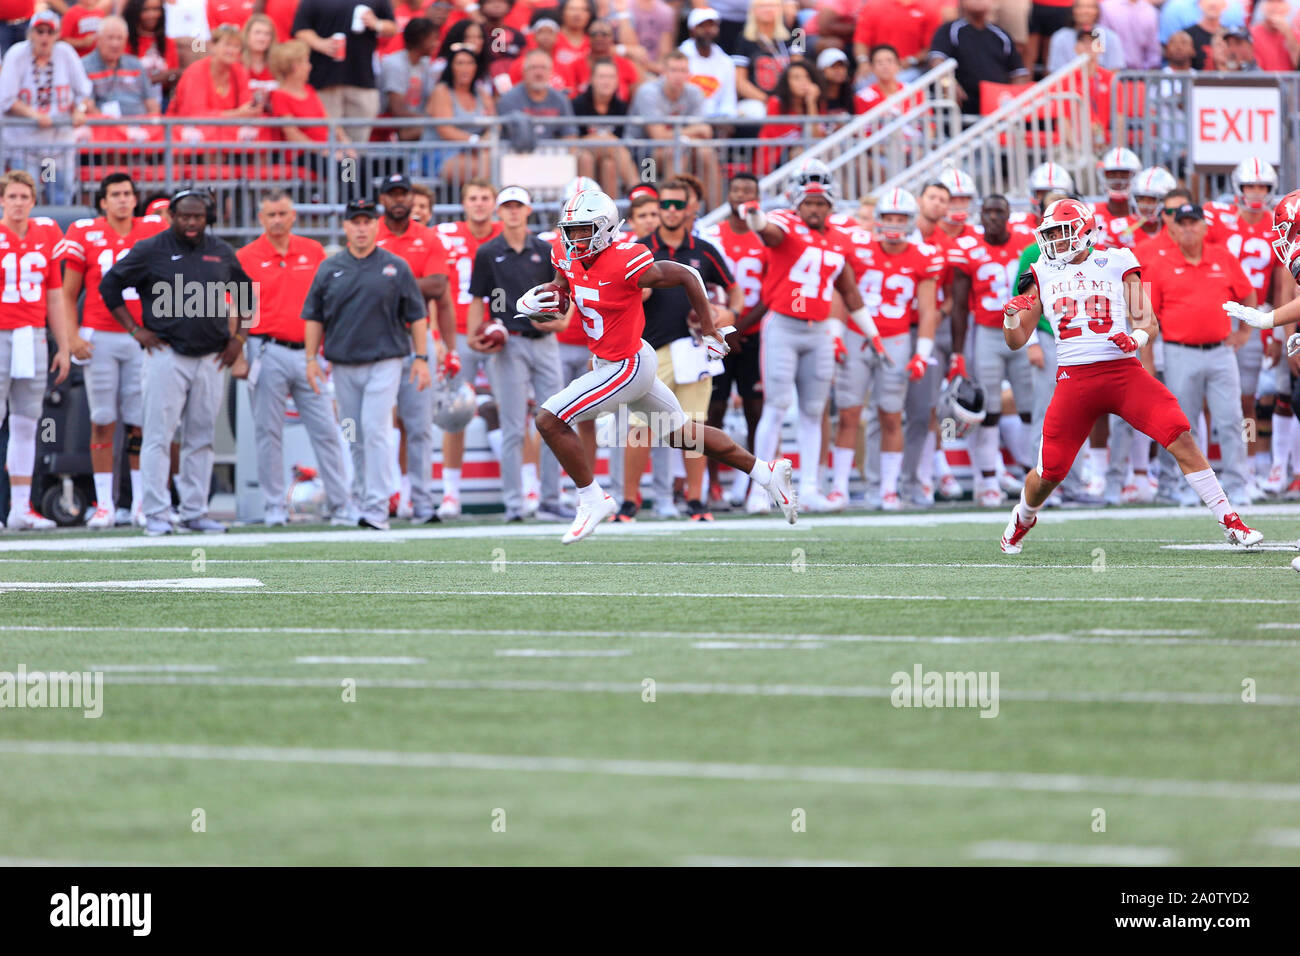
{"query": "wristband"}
(836, 327)
(422, 358)
(863, 318)
(1033, 338)
(312, 361)
(1141, 338)
(925, 348)
(134, 329)
(1011, 321)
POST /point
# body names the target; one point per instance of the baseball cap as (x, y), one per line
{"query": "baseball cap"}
(45, 16)
(395, 181)
(157, 206)
(702, 15)
(362, 207)
(830, 57)
(1237, 33)
(1189, 210)
(645, 189)
(514, 194)
(544, 22)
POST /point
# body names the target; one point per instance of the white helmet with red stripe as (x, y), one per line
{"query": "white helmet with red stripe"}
(896, 202)
(593, 208)
(1118, 167)
(1068, 228)
(1154, 182)
(578, 184)
(811, 178)
(960, 186)
(1049, 178)
(1286, 226)
(1254, 172)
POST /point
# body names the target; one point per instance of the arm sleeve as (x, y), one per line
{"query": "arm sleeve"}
(10, 72)
(312, 306)
(942, 42)
(131, 271)
(719, 272)
(413, 307)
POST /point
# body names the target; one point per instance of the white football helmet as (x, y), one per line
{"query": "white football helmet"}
(812, 178)
(960, 186)
(1254, 172)
(579, 184)
(1072, 227)
(1050, 177)
(1153, 184)
(453, 408)
(593, 208)
(1118, 167)
(896, 202)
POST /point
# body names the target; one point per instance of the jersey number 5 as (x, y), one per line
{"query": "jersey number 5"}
(1097, 308)
(592, 322)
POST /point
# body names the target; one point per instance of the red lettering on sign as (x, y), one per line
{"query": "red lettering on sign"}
(1230, 125)
(1206, 122)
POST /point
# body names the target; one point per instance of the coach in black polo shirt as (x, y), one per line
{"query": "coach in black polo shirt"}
(668, 320)
(504, 269)
(193, 293)
(367, 304)
(982, 51)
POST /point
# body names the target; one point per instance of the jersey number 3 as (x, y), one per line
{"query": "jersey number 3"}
(1097, 308)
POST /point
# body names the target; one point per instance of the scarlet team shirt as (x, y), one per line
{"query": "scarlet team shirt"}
(1251, 245)
(607, 297)
(282, 284)
(29, 271)
(1085, 305)
(746, 258)
(889, 281)
(462, 246)
(993, 270)
(90, 247)
(800, 280)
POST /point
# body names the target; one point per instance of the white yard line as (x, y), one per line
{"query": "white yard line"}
(546, 652)
(359, 660)
(847, 691)
(1023, 852)
(671, 769)
(153, 668)
(1284, 839)
(763, 861)
(758, 645)
(314, 631)
(144, 584)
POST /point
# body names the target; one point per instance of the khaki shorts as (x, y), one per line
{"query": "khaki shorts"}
(693, 396)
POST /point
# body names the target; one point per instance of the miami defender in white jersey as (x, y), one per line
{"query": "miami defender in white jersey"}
(1100, 315)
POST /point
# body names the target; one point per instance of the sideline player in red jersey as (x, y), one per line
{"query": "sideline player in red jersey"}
(1116, 220)
(1100, 315)
(116, 361)
(29, 298)
(605, 278)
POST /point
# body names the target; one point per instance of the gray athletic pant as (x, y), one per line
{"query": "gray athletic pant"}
(415, 409)
(922, 396)
(282, 372)
(1210, 377)
(522, 362)
(184, 390)
(1044, 387)
(366, 394)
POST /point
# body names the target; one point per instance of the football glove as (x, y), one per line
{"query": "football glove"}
(535, 302)
(1244, 313)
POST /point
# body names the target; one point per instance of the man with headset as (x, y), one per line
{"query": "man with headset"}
(195, 297)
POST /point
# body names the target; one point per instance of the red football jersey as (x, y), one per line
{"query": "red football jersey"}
(29, 270)
(746, 258)
(993, 271)
(462, 246)
(802, 270)
(1251, 245)
(420, 246)
(90, 247)
(1115, 230)
(607, 297)
(947, 247)
(888, 281)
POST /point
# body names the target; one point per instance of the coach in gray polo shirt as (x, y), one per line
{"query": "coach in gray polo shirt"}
(504, 269)
(367, 305)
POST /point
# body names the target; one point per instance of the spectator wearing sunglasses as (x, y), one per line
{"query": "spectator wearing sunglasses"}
(577, 74)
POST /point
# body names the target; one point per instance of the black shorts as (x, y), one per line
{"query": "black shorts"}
(1045, 20)
(742, 369)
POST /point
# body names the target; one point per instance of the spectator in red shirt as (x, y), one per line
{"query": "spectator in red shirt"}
(217, 85)
(80, 25)
(578, 74)
(885, 66)
(506, 44)
(572, 44)
(798, 93)
(1277, 45)
(291, 65)
(259, 40)
(233, 13)
(906, 25)
(281, 13)
(544, 35)
(146, 37)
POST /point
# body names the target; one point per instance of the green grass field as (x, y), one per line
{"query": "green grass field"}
(502, 679)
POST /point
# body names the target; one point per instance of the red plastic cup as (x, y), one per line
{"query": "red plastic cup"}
(340, 46)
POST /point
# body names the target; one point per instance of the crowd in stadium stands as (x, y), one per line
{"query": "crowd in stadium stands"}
(718, 66)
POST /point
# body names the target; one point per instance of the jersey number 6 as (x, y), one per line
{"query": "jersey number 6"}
(1097, 308)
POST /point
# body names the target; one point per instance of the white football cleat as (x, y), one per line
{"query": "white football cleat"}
(759, 501)
(404, 510)
(102, 518)
(926, 492)
(1094, 487)
(450, 508)
(837, 501)
(1235, 530)
(991, 497)
(1273, 483)
(137, 514)
(1007, 482)
(890, 501)
(815, 502)
(1013, 535)
(781, 490)
(950, 488)
(532, 503)
(589, 519)
(30, 521)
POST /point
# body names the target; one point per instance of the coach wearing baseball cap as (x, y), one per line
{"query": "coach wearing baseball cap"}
(185, 278)
(1187, 282)
(366, 305)
(504, 269)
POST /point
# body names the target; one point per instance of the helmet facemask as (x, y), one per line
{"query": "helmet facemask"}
(1119, 182)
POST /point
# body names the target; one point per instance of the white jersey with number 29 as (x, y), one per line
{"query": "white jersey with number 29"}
(1086, 305)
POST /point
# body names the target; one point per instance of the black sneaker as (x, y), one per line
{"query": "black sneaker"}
(371, 526)
(697, 512)
(626, 512)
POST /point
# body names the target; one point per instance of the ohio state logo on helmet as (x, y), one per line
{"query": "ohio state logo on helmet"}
(1068, 228)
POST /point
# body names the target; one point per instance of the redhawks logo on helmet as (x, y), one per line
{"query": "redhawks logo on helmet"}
(1067, 229)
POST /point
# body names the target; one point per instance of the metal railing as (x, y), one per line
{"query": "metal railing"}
(1048, 121)
(1150, 113)
(238, 161)
(888, 137)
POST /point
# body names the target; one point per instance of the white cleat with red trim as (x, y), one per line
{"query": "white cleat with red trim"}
(781, 489)
(589, 518)
(1235, 530)
(102, 518)
(1013, 535)
(30, 521)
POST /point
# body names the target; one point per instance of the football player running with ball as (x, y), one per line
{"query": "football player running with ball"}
(605, 277)
(1100, 315)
